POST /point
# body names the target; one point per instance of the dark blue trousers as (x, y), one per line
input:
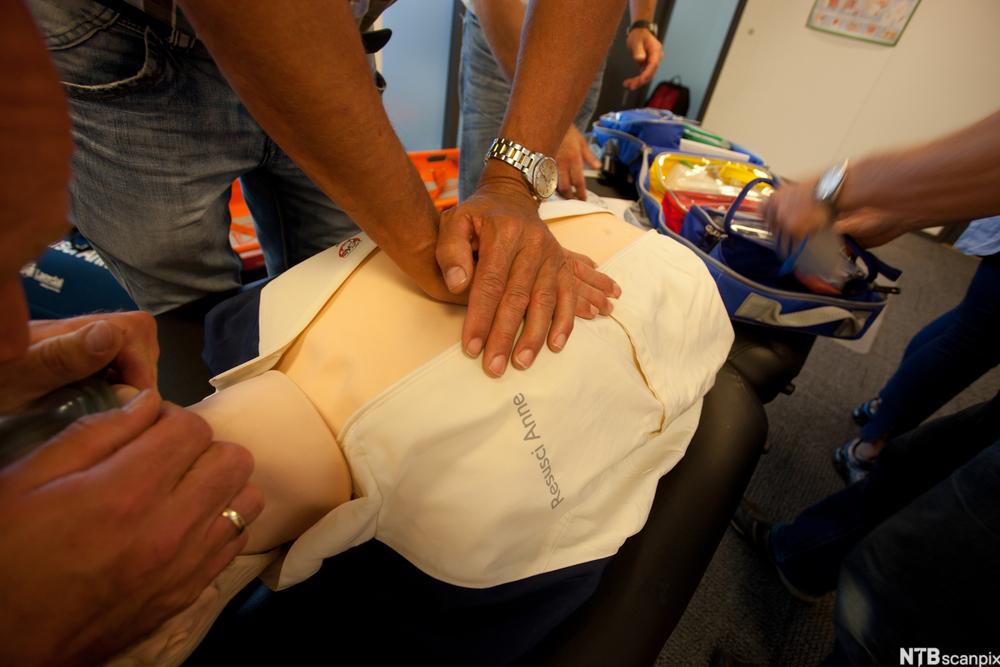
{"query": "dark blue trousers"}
(944, 358)
(811, 549)
(914, 549)
(930, 575)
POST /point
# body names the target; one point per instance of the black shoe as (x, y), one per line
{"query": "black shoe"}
(865, 412)
(849, 465)
(749, 523)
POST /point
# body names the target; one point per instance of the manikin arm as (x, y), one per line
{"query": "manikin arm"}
(298, 463)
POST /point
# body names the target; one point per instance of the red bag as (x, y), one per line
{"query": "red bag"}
(671, 95)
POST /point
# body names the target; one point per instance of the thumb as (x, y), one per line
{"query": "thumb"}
(59, 360)
(454, 251)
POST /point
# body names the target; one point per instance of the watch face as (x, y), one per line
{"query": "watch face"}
(544, 177)
(829, 183)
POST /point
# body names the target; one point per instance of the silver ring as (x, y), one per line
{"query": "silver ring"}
(236, 518)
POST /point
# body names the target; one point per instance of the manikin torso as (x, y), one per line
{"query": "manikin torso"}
(377, 331)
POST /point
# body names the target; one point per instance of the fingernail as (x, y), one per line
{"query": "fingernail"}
(497, 365)
(611, 308)
(559, 342)
(455, 278)
(474, 348)
(99, 338)
(524, 358)
(617, 290)
(593, 310)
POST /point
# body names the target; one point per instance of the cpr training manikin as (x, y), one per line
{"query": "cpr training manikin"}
(367, 421)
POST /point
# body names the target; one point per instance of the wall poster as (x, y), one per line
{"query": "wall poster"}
(878, 21)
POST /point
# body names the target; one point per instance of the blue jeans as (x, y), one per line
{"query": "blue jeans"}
(944, 358)
(160, 136)
(483, 93)
(911, 549)
(928, 576)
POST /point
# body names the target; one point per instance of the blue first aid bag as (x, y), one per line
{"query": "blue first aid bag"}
(754, 279)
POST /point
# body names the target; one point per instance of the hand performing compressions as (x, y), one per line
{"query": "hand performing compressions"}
(523, 274)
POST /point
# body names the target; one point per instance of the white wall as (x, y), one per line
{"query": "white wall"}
(691, 46)
(803, 98)
(415, 65)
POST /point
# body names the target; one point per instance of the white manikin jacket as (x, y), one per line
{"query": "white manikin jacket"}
(480, 481)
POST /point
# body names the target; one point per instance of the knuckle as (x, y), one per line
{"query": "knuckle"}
(91, 428)
(492, 285)
(500, 341)
(140, 320)
(545, 299)
(236, 458)
(517, 299)
(507, 225)
(535, 247)
(56, 358)
(185, 422)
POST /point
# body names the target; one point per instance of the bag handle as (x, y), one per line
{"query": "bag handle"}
(873, 264)
(731, 213)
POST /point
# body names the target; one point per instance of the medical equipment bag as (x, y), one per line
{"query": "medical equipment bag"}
(666, 131)
(753, 279)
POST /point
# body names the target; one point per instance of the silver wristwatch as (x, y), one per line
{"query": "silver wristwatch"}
(539, 170)
(830, 184)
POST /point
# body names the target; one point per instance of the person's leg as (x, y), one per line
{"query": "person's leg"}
(809, 551)
(951, 354)
(483, 93)
(927, 577)
(929, 333)
(294, 218)
(865, 412)
(159, 138)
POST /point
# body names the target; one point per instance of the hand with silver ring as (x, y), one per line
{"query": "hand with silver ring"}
(236, 518)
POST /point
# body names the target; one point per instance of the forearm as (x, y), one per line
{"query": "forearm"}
(641, 10)
(301, 70)
(502, 21)
(571, 39)
(952, 178)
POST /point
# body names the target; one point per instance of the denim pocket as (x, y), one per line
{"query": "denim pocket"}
(100, 55)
